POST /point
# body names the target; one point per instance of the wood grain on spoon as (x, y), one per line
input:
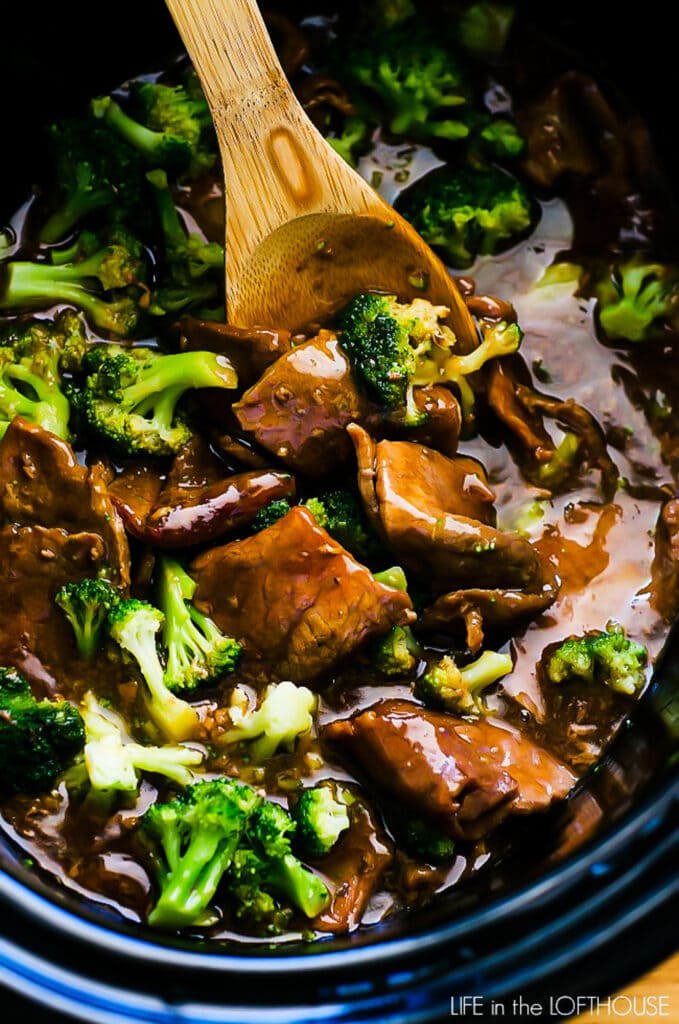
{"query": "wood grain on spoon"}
(304, 232)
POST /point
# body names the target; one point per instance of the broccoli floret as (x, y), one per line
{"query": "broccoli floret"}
(638, 301)
(393, 577)
(197, 651)
(468, 212)
(27, 285)
(484, 27)
(423, 840)
(93, 173)
(174, 129)
(394, 347)
(252, 904)
(396, 653)
(30, 378)
(134, 625)
(270, 514)
(113, 763)
(461, 689)
(193, 271)
(321, 817)
(37, 738)
(352, 141)
(608, 657)
(498, 138)
(193, 839)
(269, 831)
(340, 513)
(417, 82)
(129, 397)
(284, 714)
(86, 605)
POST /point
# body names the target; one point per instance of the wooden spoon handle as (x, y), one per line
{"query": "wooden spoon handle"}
(275, 162)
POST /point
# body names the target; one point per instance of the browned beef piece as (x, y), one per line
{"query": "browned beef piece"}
(464, 776)
(442, 427)
(296, 599)
(665, 569)
(300, 407)
(355, 866)
(34, 634)
(197, 503)
(250, 350)
(435, 513)
(42, 483)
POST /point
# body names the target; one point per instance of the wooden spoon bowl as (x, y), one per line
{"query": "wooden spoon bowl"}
(304, 232)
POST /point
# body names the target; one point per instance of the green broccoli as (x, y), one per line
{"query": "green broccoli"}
(484, 27)
(460, 690)
(638, 301)
(270, 514)
(393, 577)
(197, 652)
(405, 72)
(176, 132)
(26, 285)
(253, 906)
(495, 138)
(608, 657)
(394, 347)
(422, 840)
(192, 840)
(37, 738)
(129, 397)
(193, 269)
(468, 212)
(284, 714)
(134, 626)
(268, 832)
(31, 354)
(93, 173)
(397, 653)
(113, 763)
(352, 141)
(86, 605)
(321, 817)
(563, 463)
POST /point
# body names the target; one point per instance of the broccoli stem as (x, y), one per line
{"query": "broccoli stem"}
(160, 387)
(290, 879)
(145, 140)
(189, 889)
(51, 410)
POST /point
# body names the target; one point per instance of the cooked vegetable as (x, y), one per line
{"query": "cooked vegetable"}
(485, 26)
(469, 211)
(197, 652)
(270, 514)
(26, 285)
(423, 840)
(352, 141)
(321, 816)
(398, 652)
(134, 625)
(393, 347)
(284, 714)
(638, 301)
(608, 657)
(38, 739)
(114, 762)
(339, 512)
(460, 690)
(31, 355)
(130, 396)
(86, 605)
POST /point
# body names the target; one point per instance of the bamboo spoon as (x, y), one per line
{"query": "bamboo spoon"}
(304, 232)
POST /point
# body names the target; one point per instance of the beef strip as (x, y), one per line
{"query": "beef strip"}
(296, 599)
(299, 408)
(197, 503)
(464, 776)
(436, 512)
(34, 635)
(665, 568)
(355, 867)
(250, 350)
(42, 484)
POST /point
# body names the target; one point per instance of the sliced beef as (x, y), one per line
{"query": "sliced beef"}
(436, 512)
(34, 635)
(665, 569)
(464, 776)
(355, 866)
(297, 600)
(251, 350)
(42, 484)
(300, 407)
(197, 503)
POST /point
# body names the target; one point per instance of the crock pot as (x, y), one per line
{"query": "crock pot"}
(589, 898)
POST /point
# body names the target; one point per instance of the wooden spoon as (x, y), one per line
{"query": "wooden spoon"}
(304, 232)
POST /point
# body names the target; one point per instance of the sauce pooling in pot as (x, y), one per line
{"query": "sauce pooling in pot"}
(424, 590)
